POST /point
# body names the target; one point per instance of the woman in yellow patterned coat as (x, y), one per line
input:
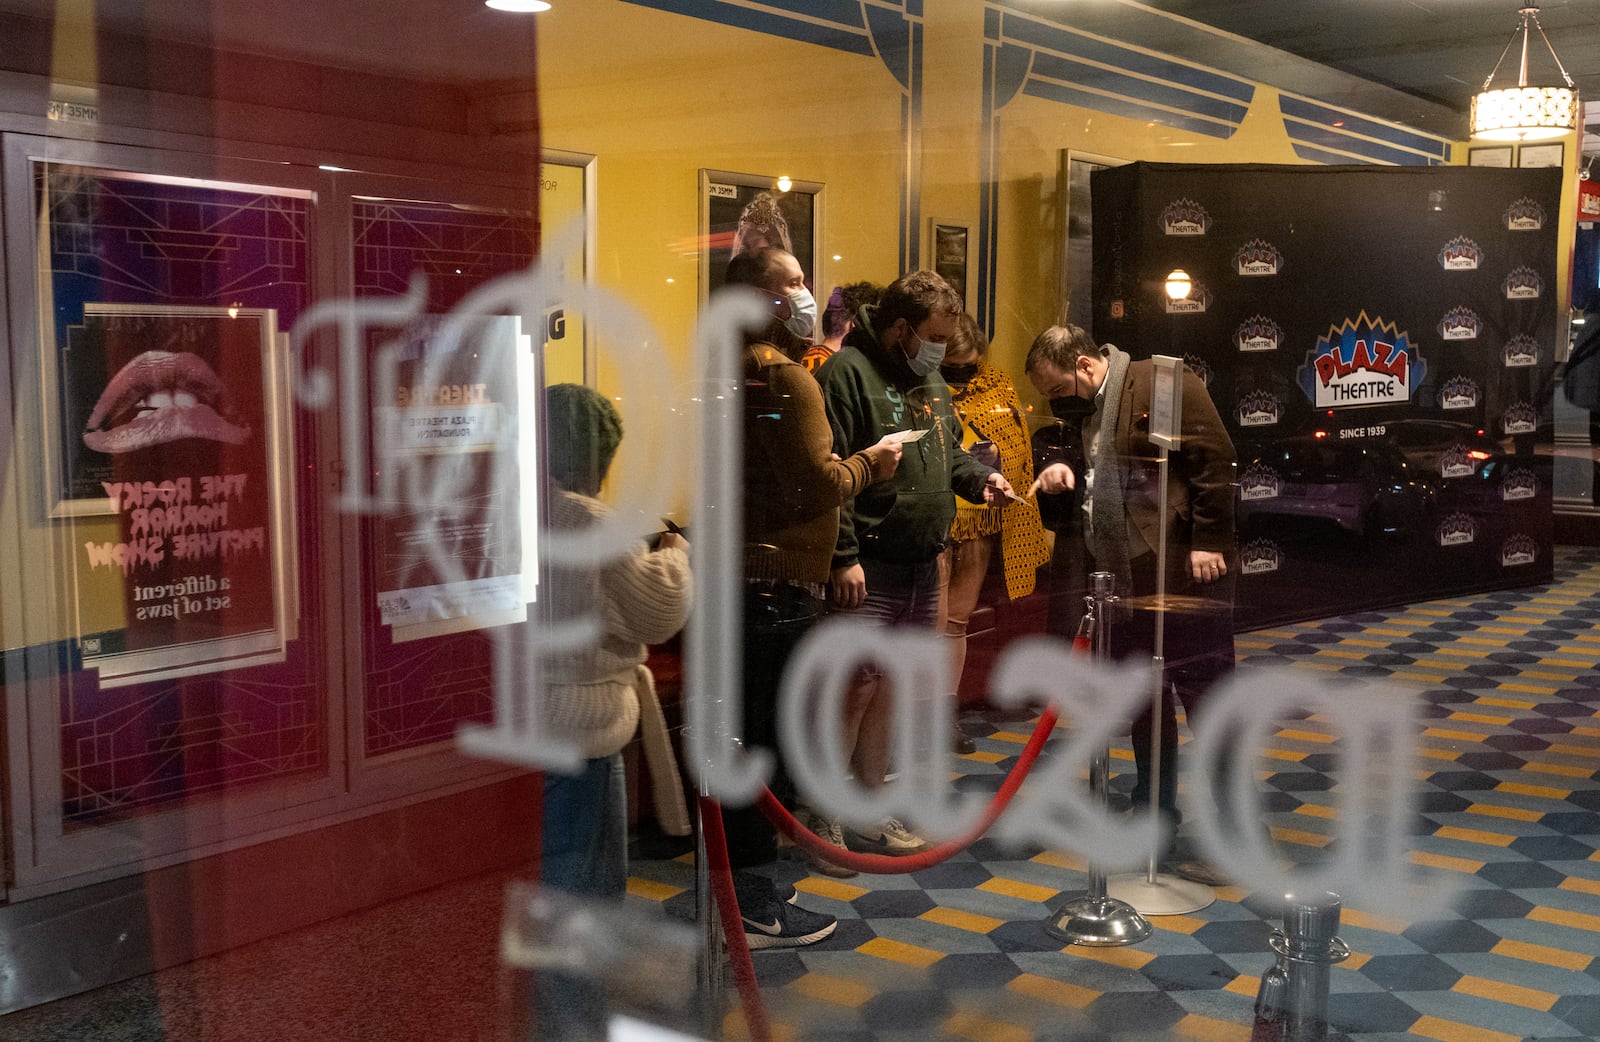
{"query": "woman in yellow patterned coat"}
(986, 402)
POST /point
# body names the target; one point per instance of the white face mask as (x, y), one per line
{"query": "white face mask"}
(927, 358)
(802, 320)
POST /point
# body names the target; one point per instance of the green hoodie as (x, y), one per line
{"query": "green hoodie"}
(869, 391)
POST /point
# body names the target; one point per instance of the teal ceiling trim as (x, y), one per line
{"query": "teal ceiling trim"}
(1316, 129)
(1052, 61)
(837, 24)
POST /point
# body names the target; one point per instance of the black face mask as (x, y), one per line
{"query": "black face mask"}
(1071, 408)
(958, 374)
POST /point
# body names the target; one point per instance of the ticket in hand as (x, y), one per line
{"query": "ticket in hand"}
(905, 436)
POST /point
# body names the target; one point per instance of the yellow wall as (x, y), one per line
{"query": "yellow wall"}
(657, 97)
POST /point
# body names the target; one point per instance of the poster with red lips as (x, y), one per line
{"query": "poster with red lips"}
(169, 443)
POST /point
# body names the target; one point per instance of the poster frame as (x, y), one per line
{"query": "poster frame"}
(245, 649)
(948, 255)
(1534, 157)
(712, 253)
(1498, 156)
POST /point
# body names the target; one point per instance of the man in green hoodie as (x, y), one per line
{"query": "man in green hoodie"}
(885, 381)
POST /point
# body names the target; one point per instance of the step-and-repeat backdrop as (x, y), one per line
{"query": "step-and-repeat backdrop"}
(1381, 343)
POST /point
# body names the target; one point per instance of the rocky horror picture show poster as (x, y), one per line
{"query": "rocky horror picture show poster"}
(168, 428)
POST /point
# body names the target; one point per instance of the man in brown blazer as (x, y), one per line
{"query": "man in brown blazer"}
(1106, 393)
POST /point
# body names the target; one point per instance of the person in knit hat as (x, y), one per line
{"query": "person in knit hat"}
(597, 696)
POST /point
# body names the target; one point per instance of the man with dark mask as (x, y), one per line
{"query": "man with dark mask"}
(1103, 459)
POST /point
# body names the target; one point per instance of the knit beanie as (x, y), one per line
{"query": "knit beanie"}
(583, 431)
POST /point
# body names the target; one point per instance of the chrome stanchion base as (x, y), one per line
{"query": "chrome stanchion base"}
(1097, 922)
(1168, 895)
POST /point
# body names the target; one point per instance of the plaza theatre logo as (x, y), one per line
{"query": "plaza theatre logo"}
(1524, 215)
(1523, 284)
(1460, 254)
(1520, 418)
(1258, 333)
(1456, 530)
(1457, 462)
(1195, 303)
(1261, 555)
(1459, 392)
(1199, 367)
(1521, 350)
(1257, 258)
(1520, 483)
(1519, 549)
(1259, 481)
(1184, 217)
(1460, 323)
(1362, 362)
(1259, 409)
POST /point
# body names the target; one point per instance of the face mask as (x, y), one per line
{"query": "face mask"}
(959, 374)
(927, 358)
(1071, 408)
(802, 320)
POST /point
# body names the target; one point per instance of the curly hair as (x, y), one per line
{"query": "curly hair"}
(845, 302)
(914, 297)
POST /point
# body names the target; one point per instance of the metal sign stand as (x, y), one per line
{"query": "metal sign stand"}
(1155, 893)
(1096, 919)
(1160, 893)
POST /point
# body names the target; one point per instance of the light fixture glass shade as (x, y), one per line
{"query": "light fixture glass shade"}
(1525, 113)
(1178, 284)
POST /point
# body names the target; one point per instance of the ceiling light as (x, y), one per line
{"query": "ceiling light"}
(1523, 112)
(518, 6)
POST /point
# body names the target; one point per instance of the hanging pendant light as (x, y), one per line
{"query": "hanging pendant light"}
(1524, 113)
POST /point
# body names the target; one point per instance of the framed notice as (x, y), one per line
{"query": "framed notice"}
(740, 213)
(1531, 157)
(1166, 402)
(172, 424)
(950, 255)
(454, 436)
(1493, 155)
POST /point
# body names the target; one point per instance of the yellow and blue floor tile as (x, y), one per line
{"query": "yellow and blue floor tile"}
(1509, 791)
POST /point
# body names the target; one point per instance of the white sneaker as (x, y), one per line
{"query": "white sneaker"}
(889, 836)
(830, 830)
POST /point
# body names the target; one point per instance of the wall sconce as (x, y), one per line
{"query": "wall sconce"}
(784, 183)
(1179, 284)
(1524, 113)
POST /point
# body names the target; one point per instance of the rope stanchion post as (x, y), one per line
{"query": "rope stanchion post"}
(1097, 919)
(1158, 893)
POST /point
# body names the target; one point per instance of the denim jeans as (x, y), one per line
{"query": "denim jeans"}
(584, 841)
(900, 594)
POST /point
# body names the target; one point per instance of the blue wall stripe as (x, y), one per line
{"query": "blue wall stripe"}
(1064, 41)
(1317, 155)
(1326, 137)
(1123, 107)
(848, 36)
(1114, 82)
(1301, 108)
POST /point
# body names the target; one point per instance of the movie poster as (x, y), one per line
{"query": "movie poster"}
(170, 440)
(453, 436)
(744, 217)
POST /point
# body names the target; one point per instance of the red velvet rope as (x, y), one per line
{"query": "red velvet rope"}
(744, 971)
(721, 875)
(894, 864)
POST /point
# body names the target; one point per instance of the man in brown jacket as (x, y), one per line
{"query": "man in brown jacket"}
(1109, 394)
(793, 486)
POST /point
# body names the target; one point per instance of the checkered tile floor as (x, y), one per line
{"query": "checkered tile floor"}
(1510, 801)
